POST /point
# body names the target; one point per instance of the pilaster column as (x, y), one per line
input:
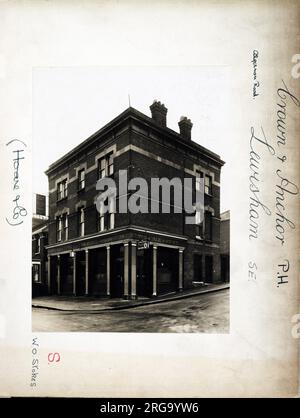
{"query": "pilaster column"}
(126, 265)
(108, 270)
(86, 272)
(74, 274)
(58, 273)
(154, 268)
(133, 270)
(180, 271)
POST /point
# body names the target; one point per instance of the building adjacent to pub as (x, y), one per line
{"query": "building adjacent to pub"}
(39, 243)
(225, 246)
(124, 254)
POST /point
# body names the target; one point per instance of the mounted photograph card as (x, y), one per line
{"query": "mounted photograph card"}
(150, 167)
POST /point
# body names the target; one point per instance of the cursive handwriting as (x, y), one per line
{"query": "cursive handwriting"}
(256, 83)
(18, 211)
(254, 182)
(283, 187)
(283, 94)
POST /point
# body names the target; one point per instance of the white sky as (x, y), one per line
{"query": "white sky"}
(71, 103)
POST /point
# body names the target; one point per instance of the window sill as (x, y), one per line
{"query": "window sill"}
(107, 176)
(62, 199)
(106, 230)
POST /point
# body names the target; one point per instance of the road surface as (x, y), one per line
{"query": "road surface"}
(202, 313)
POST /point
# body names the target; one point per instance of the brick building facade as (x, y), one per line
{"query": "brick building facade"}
(39, 243)
(124, 254)
(225, 246)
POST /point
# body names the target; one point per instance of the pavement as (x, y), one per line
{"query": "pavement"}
(198, 313)
(86, 304)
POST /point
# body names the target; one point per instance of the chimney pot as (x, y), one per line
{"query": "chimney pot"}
(159, 113)
(185, 127)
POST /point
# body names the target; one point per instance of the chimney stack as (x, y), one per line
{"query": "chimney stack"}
(185, 127)
(159, 113)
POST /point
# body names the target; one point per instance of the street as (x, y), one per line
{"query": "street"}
(202, 313)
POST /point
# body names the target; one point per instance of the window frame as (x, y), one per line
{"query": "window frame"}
(62, 189)
(81, 181)
(208, 187)
(81, 221)
(101, 170)
(59, 228)
(110, 164)
(106, 166)
(105, 221)
(65, 226)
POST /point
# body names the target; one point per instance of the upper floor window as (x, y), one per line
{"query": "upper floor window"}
(62, 189)
(208, 184)
(81, 179)
(65, 225)
(58, 228)
(106, 166)
(110, 163)
(81, 221)
(199, 174)
(101, 168)
(62, 227)
(199, 225)
(105, 221)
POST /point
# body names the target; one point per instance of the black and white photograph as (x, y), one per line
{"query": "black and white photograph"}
(150, 202)
(156, 256)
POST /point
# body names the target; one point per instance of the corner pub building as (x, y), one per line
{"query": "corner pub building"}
(123, 254)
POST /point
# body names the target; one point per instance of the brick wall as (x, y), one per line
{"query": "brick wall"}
(139, 165)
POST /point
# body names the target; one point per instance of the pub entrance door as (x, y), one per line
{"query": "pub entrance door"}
(144, 272)
(117, 271)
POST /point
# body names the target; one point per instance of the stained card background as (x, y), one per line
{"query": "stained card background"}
(260, 356)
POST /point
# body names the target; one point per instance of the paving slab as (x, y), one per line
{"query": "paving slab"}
(94, 304)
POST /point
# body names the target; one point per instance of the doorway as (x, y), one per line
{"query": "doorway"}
(144, 272)
(225, 268)
(198, 268)
(80, 273)
(167, 269)
(117, 271)
(208, 268)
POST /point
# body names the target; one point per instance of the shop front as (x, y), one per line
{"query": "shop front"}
(127, 269)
